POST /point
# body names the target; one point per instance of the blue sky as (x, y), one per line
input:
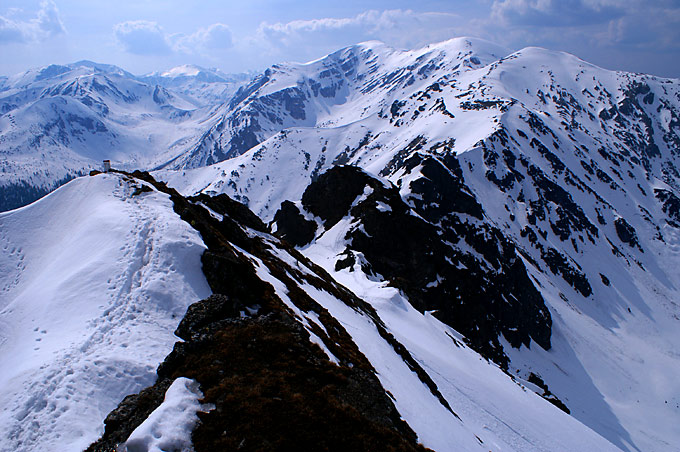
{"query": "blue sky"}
(146, 35)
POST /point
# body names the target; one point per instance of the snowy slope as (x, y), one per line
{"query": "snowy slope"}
(93, 281)
(491, 411)
(576, 165)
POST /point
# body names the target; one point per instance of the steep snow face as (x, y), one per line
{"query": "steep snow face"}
(492, 412)
(93, 280)
(578, 166)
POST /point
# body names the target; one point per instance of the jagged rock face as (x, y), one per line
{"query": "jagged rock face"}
(293, 227)
(420, 250)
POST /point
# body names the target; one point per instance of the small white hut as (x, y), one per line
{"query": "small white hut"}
(107, 166)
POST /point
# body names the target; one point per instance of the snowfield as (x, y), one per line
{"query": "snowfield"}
(93, 282)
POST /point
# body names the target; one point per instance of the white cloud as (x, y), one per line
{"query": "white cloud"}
(402, 28)
(556, 13)
(47, 24)
(658, 29)
(48, 20)
(142, 37)
(215, 37)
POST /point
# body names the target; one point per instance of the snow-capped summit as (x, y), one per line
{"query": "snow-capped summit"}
(54, 72)
(186, 70)
(193, 71)
(346, 86)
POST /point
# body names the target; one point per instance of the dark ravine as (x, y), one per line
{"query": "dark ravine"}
(272, 388)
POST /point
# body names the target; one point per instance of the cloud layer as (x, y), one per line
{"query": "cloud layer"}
(636, 35)
(402, 28)
(141, 37)
(46, 24)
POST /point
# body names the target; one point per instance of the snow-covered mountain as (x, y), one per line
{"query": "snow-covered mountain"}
(576, 167)
(339, 89)
(482, 242)
(60, 121)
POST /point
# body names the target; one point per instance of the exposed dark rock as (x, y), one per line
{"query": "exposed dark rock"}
(292, 226)
(130, 413)
(549, 396)
(627, 233)
(571, 215)
(334, 194)
(670, 205)
(559, 265)
(605, 280)
(442, 190)
(403, 155)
